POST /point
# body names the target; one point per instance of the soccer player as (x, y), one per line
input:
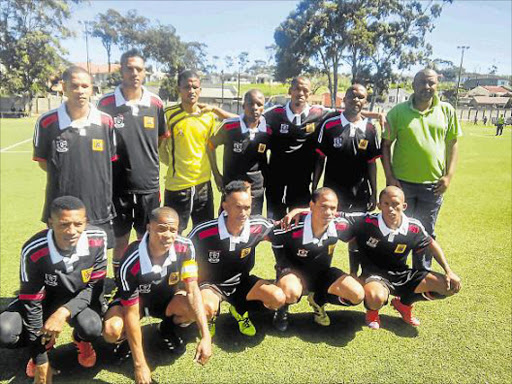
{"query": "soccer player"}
(75, 145)
(385, 240)
(246, 141)
(187, 186)
(62, 271)
(226, 255)
(351, 146)
(304, 255)
(139, 125)
(157, 277)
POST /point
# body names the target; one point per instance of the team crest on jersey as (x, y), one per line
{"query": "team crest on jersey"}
(262, 147)
(363, 144)
(400, 248)
(330, 249)
(310, 128)
(284, 128)
(372, 242)
(119, 121)
(50, 279)
(214, 257)
(302, 252)
(245, 252)
(238, 146)
(149, 122)
(61, 145)
(86, 275)
(174, 278)
(337, 142)
(97, 145)
(144, 288)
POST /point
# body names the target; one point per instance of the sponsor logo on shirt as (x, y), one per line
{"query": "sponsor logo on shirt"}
(400, 248)
(310, 128)
(86, 275)
(61, 145)
(119, 121)
(149, 122)
(50, 279)
(174, 278)
(214, 257)
(145, 288)
(97, 145)
(238, 146)
(337, 142)
(302, 252)
(284, 128)
(372, 242)
(245, 252)
(363, 144)
(262, 147)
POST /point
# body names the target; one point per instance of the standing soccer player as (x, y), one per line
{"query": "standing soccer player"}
(75, 145)
(139, 125)
(62, 271)
(246, 142)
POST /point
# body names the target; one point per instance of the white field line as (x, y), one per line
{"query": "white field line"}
(15, 145)
(8, 152)
(486, 136)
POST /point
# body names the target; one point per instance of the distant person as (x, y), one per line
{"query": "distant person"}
(75, 145)
(191, 125)
(139, 124)
(475, 121)
(62, 271)
(424, 131)
(485, 120)
(246, 141)
(500, 122)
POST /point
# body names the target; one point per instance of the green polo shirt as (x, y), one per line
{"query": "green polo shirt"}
(419, 154)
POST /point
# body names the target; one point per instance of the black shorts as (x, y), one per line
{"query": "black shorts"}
(282, 195)
(398, 283)
(352, 199)
(151, 307)
(133, 210)
(235, 295)
(195, 202)
(109, 230)
(311, 282)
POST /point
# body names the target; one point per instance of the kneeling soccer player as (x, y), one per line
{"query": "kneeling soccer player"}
(226, 255)
(62, 272)
(157, 277)
(385, 240)
(303, 261)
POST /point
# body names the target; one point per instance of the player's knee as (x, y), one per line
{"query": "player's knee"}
(292, 293)
(113, 330)
(375, 299)
(10, 330)
(276, 300)
(210, 310)
(355, 295)
(89, 325)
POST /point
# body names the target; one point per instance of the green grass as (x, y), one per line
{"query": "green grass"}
(465, 339)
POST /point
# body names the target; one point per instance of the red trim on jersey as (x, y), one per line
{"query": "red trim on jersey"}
(129, 303)
(331, 124)
(279, 110)
(373, 160)
(107, 120)
(414, 228)
(35, 158)
(320, 152)
(373, 221)
(108, 100)
(37, 255)
(269, 130)
(31, 297)
(96, 242)
(190, 279)
(209, 232)
(298, 234)
(180, 247)
(230, 126)
(114, 158)
(49, 119)
(135, 269)
(256, 229)
(156, 102)
(98, 275)
(341, 226)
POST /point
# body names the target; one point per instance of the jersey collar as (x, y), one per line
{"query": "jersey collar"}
(145, 261)
(144, 101)
(435, 103)
(308, 236)
(82, 249)
(402, 230)
(262, 126)
(300, 117)
(233, 240)
(361, 124)
(94, 117)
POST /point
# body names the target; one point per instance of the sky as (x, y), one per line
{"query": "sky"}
(231, 27)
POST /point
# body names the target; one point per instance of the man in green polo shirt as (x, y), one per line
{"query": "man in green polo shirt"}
(424, 131)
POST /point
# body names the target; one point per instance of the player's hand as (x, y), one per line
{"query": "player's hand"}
(292, 217)
(442, 185)
(453, 282)
(218, 182)
(372, 204)
(203, 351)
(393, 181)
(143, 375)
(44, 374)
(205, 108)
(382, 120)
(53, 326)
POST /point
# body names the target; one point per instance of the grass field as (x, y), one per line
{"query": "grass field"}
(465, 339)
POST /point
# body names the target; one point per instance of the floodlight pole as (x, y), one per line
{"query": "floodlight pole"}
(86, 31)
(463, 48)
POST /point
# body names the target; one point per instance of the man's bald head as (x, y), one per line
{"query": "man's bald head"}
(425, 73)
(392, 191)
(163, 212)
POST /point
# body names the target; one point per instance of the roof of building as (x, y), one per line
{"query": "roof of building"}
(491, 100)
(495, 89)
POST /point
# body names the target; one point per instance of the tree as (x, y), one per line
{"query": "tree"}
(106, 28)
(30, 50)
(229, 61)
(132, 30)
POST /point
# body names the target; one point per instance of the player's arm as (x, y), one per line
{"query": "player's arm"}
(219, 112)
(212, 157)
(381, 117)
(163, 131)
(134, 335)
(204, 347)
(372, 178)
(452, 154)
(41, 146)
(453, 282)
(386, 163)
(317, 172)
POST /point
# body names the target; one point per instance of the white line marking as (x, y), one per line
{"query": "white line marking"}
(486, 136)
(15, 145)
(17, 152)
